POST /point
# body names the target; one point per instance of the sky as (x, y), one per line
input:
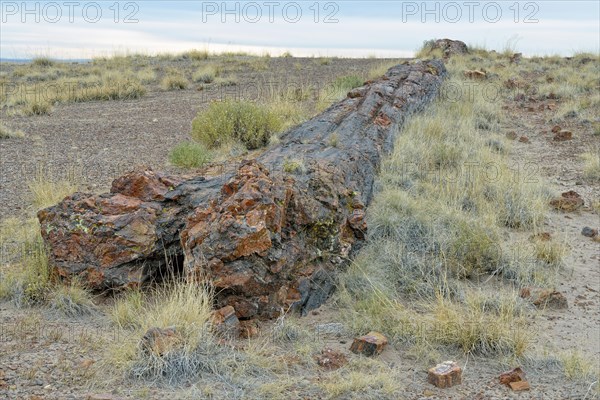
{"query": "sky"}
(73, 29)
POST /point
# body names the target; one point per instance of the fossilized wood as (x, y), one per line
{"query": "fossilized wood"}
(270, 234)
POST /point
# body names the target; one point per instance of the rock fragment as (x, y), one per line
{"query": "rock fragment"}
(331, 359)
(589, 232)
(568, 201)
(445, 375)
(159, 341)
(545, 298)
(370, 344)
(225, 322)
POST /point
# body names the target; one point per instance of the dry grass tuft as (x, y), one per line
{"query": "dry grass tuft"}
(48, 191)
(591, 169)
(71, 300)
(206, 74)
(7, 133)
(447, 195)
(174, 81)
(184, 307)
(26, 280)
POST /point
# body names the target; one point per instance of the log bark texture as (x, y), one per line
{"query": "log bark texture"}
(271, 233)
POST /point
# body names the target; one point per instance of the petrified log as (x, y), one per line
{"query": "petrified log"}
(449, 47)
(269, 234)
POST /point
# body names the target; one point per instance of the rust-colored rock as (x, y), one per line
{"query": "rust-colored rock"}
(258, 233)
(541, 236)
(524, 139)
(370, 344)
(562, 136)
(516, 83)
(249, 328)
(556, 129)
(514, 375)
(512, 135)
(568, 201)
(330, 359)
(519, 386)
(445, 375)
(225, 322)
(545, 298)
(159, 341)
(475, 74)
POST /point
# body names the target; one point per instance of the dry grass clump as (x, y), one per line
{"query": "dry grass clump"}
(194, 352)
(25, 274)
(337, 90)
(47, 190)
(39, 98)
(206, 74)
(42, 62)
(291, 102)
(230, 80)
(37, 107)
(577, 366)
(146, 76)
(447, 195)
(379, 70)
(196, 55)
(363, 378)
(427, 50)
(24, 269)
(7, 133)
(591, 168)
(27, 282)
(174, 81)
(109, 88)
(71, 300)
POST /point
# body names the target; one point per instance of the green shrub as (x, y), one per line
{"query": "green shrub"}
(189, 155)
(294, 166)
(347, 83)
(249, 123)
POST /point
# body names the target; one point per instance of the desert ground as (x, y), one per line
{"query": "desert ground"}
(528, 127)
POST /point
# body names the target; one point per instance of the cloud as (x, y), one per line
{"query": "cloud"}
(354, 35)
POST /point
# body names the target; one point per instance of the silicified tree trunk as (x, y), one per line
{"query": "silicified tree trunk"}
(271, 234)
